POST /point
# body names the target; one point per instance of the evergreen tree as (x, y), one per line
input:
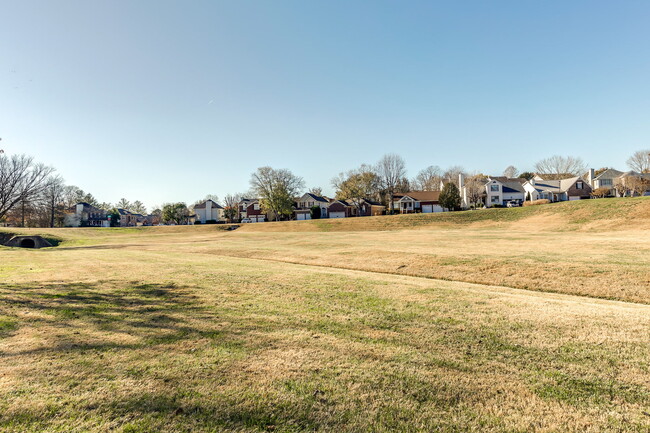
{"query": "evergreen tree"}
(450, 197)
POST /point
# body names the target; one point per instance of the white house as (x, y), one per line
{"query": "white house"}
(209, 210)
(572, 188)
(498, 191)
(306, 202)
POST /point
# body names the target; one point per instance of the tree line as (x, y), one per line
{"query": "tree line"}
(33, 195)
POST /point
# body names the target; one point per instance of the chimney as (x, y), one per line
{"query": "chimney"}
(461, 181)
(590, 179)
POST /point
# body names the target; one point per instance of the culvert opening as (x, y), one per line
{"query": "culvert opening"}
(27, 243)
(21, 241)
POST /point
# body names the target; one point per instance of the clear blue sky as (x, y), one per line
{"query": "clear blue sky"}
(169, 100)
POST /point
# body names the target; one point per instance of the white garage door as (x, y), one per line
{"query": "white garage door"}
(427, 208)
(337, 214)
(303, 216)
(574, 198)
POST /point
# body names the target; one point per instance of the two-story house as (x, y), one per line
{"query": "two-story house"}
(500, 190)
(306, 202)
(252, 210)
(208, 210)
(87, 215)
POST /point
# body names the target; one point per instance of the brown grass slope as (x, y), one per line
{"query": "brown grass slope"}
(601, 214)
(154, 333)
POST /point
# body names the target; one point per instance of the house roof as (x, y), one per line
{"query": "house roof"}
(556, 186)
(353, 202)
(343, 202)
(513, 186)
(418, 195)
(316, 197)
(203, 205)
(635, 173)
(610, 173)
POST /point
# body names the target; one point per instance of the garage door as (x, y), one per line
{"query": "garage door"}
(427, 208)
(303, 216)
(574, 198)
(337, 214)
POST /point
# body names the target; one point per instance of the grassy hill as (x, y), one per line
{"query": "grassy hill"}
(348, 327)
(591, 214)
(194, 329)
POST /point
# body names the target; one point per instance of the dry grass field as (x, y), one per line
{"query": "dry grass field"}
(396, 324)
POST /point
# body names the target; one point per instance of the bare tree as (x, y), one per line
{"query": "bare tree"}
(511, 172)
(316, 191)
(638, 185)
(213, 197)
(620, 186)
(640, 161)
(21, 179)
(276, 189)
(475, 188)
(452, 173)
(559, 165)
(391, 170)
(428, 179)
(53, 196)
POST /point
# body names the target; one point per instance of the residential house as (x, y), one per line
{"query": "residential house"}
(416, 202)
(208, 210)
(127, 218)
(339, 209)
(496, 191)
(251, 209)
(606, 179)
(554, 190)
(632, 183)
(306, 202)
(86, 215)
(365, 207)
(354, 208)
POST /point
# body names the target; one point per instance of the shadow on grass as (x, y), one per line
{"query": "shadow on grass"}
(93, 316)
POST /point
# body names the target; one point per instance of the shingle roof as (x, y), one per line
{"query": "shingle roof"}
(609, 173)
(556, 186)
(419, 195)
(215, 205)
(317, 197)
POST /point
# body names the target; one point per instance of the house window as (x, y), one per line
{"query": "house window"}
(578, 185)
(256, 206)
(494, 187)
(495, 199)
(606, 182)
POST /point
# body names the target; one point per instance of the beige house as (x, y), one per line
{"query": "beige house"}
(209, 210)
(566, 189)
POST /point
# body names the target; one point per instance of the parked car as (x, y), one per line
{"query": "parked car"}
(513, 204)
(246, 220)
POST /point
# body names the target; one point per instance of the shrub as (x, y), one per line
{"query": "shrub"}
(211, 222)
(197, 223)
(536, 202)
(315, 212)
